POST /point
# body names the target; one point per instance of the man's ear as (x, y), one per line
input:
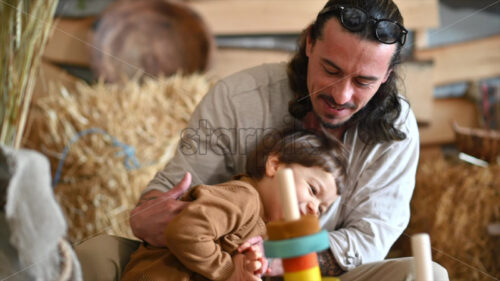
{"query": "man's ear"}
(387, 74)
(272, 165)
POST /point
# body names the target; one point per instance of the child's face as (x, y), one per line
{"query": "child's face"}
(316, 189)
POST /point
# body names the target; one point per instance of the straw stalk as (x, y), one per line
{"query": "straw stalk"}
(24, 28)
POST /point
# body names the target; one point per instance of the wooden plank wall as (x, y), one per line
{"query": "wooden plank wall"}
(291, 16)
(71, 41)
(445, 112)
(473, 60)
(417, 88)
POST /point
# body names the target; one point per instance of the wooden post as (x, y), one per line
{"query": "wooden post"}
(421, 249)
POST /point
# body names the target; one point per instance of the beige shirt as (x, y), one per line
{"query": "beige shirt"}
(373, 210)
(202, 239)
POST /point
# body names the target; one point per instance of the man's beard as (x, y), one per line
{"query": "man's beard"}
(331, 102)
(328, 125)
(352, 121)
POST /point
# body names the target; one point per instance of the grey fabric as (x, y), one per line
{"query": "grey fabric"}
(32, 222)
(9, 263)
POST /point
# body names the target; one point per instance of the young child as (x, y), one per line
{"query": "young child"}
(203, 240)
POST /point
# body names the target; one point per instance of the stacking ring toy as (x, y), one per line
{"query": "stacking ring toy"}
(296, 239)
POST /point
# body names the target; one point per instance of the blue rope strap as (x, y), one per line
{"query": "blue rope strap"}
(130, 161)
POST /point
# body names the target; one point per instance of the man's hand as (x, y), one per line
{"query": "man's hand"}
(155, 210)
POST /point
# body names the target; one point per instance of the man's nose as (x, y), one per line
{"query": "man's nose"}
(342, 91)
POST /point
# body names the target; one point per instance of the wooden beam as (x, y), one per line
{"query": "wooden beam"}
(466, 61)
(292, 16)
(421, 39)
(51, 74)
(440, 130)
(228, 60)
(419, 14)
(70, 42)
(418, 88)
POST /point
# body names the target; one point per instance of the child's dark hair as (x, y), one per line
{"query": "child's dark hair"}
(301, 147)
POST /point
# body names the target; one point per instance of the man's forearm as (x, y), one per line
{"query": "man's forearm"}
(328, 264)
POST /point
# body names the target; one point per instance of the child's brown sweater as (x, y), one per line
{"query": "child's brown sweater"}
(202, 239)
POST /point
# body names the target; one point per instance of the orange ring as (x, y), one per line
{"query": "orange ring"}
(300, 263)
(281, 230)
(312, 274)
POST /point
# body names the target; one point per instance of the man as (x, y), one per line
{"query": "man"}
(342, 82)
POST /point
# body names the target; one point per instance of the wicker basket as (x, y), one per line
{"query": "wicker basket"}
(480, 143)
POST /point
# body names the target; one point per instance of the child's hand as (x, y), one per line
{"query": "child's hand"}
(275, 268)
(244, 269)
(253, 249)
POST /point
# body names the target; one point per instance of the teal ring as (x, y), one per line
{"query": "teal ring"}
(296, 247)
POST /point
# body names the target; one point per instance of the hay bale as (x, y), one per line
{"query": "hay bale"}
(96, 190)
(454, 202)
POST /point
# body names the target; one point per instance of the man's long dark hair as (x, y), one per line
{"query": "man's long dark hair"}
(376, 121)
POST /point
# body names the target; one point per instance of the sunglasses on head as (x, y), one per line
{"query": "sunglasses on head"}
(355, 19)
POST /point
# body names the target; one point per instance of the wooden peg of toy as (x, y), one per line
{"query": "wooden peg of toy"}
(288, 196)
(421, 249)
